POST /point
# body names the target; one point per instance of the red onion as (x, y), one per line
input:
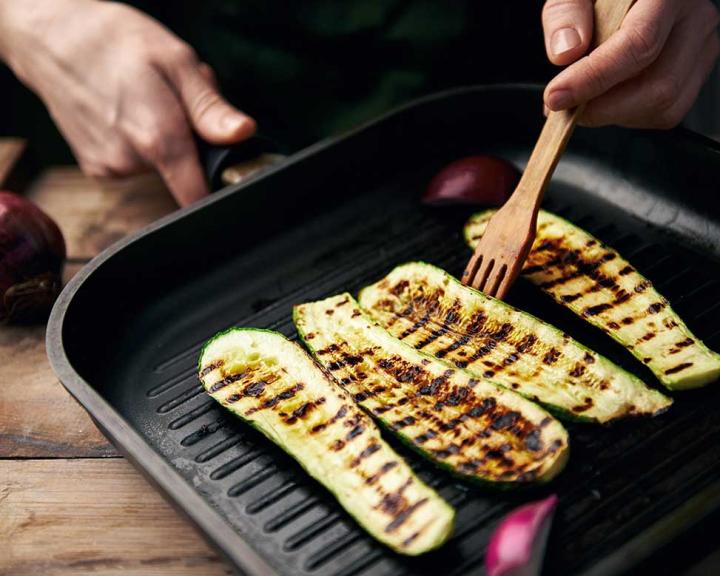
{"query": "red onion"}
(517, 546)
(32, 251)
(482, 180)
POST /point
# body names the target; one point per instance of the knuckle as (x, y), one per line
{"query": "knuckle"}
(180, 53)
(204, 101)
(151, 144)
(554, 8)
(594, 75)
(644, 43)
(665, 93)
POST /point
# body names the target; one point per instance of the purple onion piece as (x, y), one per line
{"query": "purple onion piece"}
(32, 252)
(517, 546)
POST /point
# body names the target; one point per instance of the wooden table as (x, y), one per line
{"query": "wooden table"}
(69, 503)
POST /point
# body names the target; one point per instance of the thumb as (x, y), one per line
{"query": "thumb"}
(568, 27)
(213, 118)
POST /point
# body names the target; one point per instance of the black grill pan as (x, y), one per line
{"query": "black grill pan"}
(125, 334)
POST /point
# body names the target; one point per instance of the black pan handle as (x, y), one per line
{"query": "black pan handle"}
(227, 165)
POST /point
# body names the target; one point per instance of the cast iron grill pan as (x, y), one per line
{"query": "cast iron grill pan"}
(339, 216)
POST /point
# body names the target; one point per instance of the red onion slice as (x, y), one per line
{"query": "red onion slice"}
(517, 546)
(475, 180)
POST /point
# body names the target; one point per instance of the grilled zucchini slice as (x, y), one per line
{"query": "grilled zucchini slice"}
(433, 312)
(273, 385)
(596, 283)
(468, 425)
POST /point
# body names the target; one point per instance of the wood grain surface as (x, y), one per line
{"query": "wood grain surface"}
(92, 516)
(68, 503)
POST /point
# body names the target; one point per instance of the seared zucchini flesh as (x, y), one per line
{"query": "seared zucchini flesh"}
(430, 310)
(272, 384)
(469, 425)
(596, 283)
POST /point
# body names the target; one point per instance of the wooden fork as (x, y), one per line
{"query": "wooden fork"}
(510, 233)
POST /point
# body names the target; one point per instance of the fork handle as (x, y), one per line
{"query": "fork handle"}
(559, 126)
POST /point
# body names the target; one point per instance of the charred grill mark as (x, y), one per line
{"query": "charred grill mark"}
(627, 320)
(569, 298)
(416, 326)
(391, 504)
(533, 441)
(451, 318)
(384, 469)
(506, 420)
(597, 309)
(499, 336)
(337, 445)
(457, 396)
(551, 356)
(402, 423)
(410, 539)
(685, 343)
(432, 388)
(369, 451)
(626, 270)
(655, 307)
(339, 415)
(329, 350)
(588, 358)
(648, 336)
(302, 411)
(210, 367)
(356, 313)
(344, 360)
(399, 288)
(613, 325)
(644, 285)
(354, 433)
(587, 404)
(678, 368)
(403, 515)
(474, 327)
(622, 296)
(578, 370)
(284, 395)
(227, 381)
(342, 302)
(255, 389)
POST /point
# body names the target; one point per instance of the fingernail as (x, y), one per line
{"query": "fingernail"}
(564, 40)
(546, 110)
(560, 100)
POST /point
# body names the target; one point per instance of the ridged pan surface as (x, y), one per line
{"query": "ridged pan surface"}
(126, 334)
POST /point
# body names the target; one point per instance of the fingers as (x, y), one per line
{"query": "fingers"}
(568, 28)
(160, 134)
(630, 50)
(210, 114)
(662, 96)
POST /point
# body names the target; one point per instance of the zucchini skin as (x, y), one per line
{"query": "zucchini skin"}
(273, 385)
(471, 427)
(597, 284)
(435, 313)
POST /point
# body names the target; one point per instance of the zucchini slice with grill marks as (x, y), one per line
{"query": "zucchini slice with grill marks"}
(275, 386)
(468, 425)
(596, 283)
(432, 311)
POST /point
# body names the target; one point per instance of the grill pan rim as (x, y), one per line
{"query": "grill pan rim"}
(181, 494)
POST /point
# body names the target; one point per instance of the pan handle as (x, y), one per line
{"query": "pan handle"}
(230, 165)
